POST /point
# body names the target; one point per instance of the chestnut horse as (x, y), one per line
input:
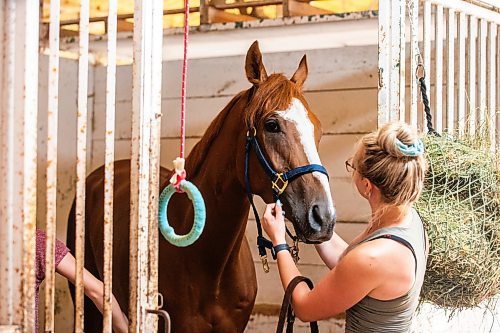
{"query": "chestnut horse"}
(211, 285)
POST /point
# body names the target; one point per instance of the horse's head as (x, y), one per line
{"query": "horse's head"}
(288, 134)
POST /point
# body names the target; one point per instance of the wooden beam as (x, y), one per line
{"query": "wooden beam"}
(123, 25)
(297, 8)
(68, 33)
(218, 16)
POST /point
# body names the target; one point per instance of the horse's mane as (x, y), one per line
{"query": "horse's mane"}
(200, 150)
(273, 94)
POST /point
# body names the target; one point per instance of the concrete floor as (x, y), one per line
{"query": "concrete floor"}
(429, 319)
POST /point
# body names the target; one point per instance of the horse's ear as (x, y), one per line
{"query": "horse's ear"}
(300, 75)
(254, 67)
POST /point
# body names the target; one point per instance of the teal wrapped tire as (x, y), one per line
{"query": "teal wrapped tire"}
(199, 215)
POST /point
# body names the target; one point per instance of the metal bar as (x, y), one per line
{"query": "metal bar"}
(81, 161)
(384, 37)
(483, 32)
(414, 59)
(427, 51)
(9, 263)
(492, 84)
(472, 74)
(402, 59)
(166, 317)
(469, 9)
(395, 60)
(51, 171)
(450, 80)
(462, 34)
(438, 106)
(107, 324)
(154, 180)
(30, 17)
(140, 164)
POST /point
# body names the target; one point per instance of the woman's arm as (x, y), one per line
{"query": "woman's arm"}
(354, 277)
(330, 251)
(94, 289)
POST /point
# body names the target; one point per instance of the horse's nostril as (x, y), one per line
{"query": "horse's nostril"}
(320, 216)
(317, 214)
(315, 220)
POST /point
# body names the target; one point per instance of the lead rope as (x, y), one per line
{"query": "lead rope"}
(286, 312)
(425, 100)
(420, 76)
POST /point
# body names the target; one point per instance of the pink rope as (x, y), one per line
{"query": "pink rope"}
(180, 176)
(184, 72)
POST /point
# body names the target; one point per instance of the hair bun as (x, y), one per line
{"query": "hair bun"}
(400, 140)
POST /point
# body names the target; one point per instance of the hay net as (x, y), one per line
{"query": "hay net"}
(460, 209)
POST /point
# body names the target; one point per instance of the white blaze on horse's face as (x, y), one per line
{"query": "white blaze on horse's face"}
(297, 114)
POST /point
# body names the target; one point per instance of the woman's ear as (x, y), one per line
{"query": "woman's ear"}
(368, 187)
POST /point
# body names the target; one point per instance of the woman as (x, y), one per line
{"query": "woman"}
(377, 278)
(65, 265)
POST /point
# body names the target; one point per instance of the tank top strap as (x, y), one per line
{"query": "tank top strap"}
(399, 240)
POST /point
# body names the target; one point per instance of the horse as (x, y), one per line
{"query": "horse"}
(211, 285)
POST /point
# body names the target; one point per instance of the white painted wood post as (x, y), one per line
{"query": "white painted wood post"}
(427, 30)
(109, 158)
(145, 107)
(462, 34)
(81, 161)
(450, 79)
(11, 302)
(384, 37)
(472, 74)
(51, 167)
(494, 57)
(438, 105)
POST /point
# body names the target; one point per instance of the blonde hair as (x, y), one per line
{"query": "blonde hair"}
(380, 159)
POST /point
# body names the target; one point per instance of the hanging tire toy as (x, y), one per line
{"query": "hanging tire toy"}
(199, 214)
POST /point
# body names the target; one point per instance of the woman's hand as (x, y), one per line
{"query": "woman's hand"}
(273, 223)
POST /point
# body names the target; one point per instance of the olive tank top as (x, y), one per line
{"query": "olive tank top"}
(392, 316)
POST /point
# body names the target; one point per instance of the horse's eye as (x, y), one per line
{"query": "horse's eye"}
(272, 126)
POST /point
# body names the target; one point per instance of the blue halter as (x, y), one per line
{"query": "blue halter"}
(279, 183)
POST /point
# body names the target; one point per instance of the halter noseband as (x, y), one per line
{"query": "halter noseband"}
(279, 181)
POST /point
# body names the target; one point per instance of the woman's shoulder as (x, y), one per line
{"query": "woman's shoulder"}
(384, 254)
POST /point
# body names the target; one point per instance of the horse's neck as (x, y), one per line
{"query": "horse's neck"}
(225, 198)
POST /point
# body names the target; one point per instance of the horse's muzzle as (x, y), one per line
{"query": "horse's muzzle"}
(320, 222)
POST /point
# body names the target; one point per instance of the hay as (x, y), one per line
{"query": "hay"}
(460, 208)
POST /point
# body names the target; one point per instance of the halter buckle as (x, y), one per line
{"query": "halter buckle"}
(254, 131)
(276, 186)
(265, 263)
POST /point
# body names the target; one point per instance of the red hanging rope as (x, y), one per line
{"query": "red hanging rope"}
(180, 173)
(184, 72)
